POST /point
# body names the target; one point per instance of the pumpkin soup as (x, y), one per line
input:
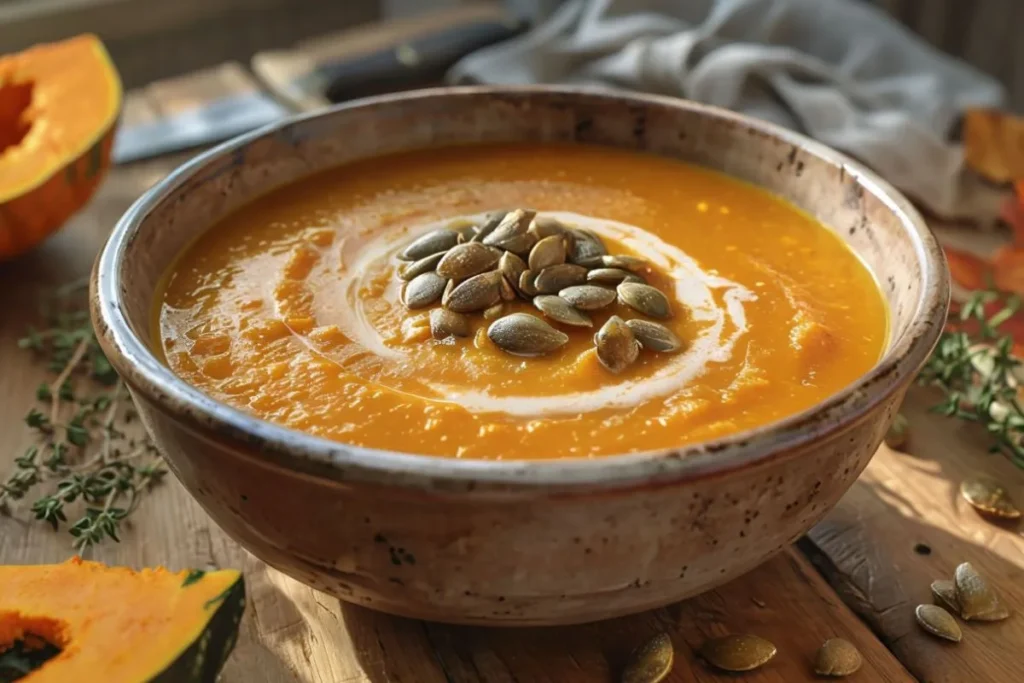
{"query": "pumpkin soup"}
(518, 302)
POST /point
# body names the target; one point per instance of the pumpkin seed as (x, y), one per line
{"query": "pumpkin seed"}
(737, 652)
(945, 592)
(507, 291)
(587, 297)
(528, 283)
(636, 278)
(423, 290)
(617, 348)
(549, 251)
(408, 271)
(511, 266)
(494, 312)
(445, 323)
(431, 243)
(492, 221)
(644, 298)
(837, 657)
(477, 293)
(522, 334)
(553, 279)
(464, 227)
(987, 496)
(938, 622)
(654, 336)
(585, 245)
(975, 597)
(467, 260)
(651, 662)
(519, 244)
(899, 431)
(546, 226)
(559, 310)
(513, 224)
(448, 289)
(607, 276)
(624, 262)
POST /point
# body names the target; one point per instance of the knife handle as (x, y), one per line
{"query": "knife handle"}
(419, 62)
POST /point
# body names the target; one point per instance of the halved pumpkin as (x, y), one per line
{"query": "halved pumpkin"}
(116, 625)
(59, 105)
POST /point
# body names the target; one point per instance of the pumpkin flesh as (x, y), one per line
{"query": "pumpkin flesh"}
(112, 623)
(59, 104)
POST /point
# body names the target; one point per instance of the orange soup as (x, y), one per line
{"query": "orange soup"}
(520, 302)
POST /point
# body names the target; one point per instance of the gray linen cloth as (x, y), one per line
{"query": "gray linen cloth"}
(838, 70)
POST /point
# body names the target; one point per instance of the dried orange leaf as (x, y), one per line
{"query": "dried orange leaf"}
(994, 144)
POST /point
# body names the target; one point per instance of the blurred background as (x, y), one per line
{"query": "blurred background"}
(156, 39)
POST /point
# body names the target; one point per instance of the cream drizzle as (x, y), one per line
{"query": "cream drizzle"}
(694, 287)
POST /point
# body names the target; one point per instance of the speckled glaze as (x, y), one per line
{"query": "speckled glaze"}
(517, 543)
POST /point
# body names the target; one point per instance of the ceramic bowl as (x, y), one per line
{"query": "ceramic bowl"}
(517, 543)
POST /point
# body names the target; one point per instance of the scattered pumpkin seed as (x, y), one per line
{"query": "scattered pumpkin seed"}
(494, 312)
(522, 334)
(837, 657)
(607, 276)
(549, 251)
(945, 592)
(513, 224)
(528, 283)
(651, 662)
(445, 323)
(737, 652)
(555, 278)
(477, 293)
(507, 291)
(467, 260)
(434, 241)
(654, 336)
(617, 348)
(511, 266)
(988, 497)
(938, 622)
(899, 432)
(588, 297)
(644, 298)
(408, 271)
(585, 245)
(975, 597)
(546, 226)
(423, 290)
(559, 310)
(490, 223)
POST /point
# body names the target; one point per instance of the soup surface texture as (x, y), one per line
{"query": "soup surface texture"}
(290, 308)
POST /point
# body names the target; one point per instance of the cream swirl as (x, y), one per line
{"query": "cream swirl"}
(716, 302)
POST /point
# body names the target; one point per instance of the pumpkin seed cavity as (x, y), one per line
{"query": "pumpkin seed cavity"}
(837, 657)
(737, 653)
(651, 662)
(480, 266)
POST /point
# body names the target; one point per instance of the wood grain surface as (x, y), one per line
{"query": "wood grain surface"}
(901, 526)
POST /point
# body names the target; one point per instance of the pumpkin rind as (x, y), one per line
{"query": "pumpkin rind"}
(122, 626)
(46, 183)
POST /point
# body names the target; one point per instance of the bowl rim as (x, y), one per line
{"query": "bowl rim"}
(321, 457)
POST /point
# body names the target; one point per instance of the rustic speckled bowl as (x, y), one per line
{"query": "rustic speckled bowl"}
(517, 543)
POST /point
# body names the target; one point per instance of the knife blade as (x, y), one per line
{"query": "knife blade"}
(416, 61)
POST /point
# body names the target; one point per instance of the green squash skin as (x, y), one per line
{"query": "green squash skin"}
(202, 661)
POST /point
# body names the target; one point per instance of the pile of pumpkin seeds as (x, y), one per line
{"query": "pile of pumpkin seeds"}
(565, 272)
(968, 596)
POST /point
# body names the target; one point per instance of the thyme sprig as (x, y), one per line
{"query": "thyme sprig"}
(978, 373)
(81, 455)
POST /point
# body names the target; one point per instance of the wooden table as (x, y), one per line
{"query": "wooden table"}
(858, 574)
